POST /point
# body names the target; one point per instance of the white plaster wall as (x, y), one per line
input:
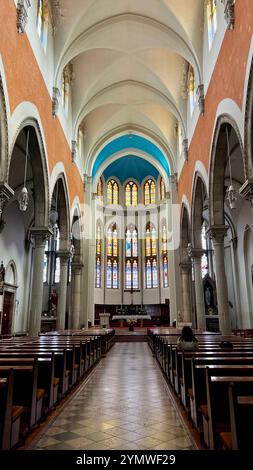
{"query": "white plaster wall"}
(12, 247)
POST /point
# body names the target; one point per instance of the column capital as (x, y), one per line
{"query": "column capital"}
(64, 255)
(22, 15)
(217, 233)
(195, 253)
(185, 266)
(40, 234)
(77, 267)
(201, 98)
(229, 13)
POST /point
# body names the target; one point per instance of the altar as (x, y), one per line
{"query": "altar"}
(123, 318)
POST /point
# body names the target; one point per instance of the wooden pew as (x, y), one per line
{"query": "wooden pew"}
(216, 415)
(240, 436)
(10, 415)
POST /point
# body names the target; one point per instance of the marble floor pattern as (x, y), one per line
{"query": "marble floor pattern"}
(123, 405)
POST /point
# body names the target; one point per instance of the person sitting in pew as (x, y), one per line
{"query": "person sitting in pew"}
(187, 341)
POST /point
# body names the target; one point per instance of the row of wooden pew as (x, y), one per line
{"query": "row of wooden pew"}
(36, 373)
(214, 385)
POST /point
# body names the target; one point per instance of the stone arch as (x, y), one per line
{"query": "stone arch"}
(185, 238)
(76, 234)
(60, 211)
(248, 128)
(3, 134)
(217, 168)
(11, 276)
(199, 196)
(38, 163)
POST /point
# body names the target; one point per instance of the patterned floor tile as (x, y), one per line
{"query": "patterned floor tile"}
(123, 405)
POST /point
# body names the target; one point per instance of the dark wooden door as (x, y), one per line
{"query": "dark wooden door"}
(7, 313)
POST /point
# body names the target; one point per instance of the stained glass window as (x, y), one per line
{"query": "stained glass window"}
(46, 262)
(165, 272)
(112, 257)
(149, 192)
(151, 257)
(100, 188)
(128, 244)
(115, 275)
(131, 263)
(57, 273)
(211, 11)
(164, 254)
(204, 259)
(162, 189)
(98, 254)
(112, 192)
(131, 194)
(192, 89)
(128, 275)
(42, 19)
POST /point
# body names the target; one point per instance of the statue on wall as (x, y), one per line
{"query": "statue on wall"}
(53, 303)
(210, 296)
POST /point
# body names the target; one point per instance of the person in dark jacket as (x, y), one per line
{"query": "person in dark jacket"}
(187, 341)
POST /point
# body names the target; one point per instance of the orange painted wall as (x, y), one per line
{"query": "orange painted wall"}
(25, 83)
(227, 82)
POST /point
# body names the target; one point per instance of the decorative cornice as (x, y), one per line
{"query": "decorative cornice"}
(55, 101)
(229, 13)
(201, 98)
(22, 15)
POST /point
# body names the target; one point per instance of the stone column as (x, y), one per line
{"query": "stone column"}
(61, 309)
(218, 233)
(186, 291)
(39, 235)
(76, 294)
(196, 254)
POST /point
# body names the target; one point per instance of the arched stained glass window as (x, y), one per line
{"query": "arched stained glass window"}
(46, 262)
(112, 192)
(151, 257)
(204, 259)
(42, 22)
(211, 12)
(98, 254)
(131, 254)
(131, 194)
(149, 192)
(164, 245)
(100, 188)
(112, 258)
(162, 189)
(192, 89)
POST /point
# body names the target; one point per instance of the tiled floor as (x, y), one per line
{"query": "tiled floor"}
(124, 405)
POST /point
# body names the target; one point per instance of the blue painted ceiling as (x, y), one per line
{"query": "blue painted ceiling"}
(130, 141)
(130, 167)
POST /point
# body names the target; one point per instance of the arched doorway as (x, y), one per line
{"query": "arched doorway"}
(19, 237)
(186, 269)
(226, 204)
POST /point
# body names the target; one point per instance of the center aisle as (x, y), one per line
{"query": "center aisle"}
(123, 405)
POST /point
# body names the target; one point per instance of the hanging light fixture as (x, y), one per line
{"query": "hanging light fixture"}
(231, 192)
(23, 199)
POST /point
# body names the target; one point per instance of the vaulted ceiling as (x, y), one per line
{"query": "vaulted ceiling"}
(129, 58)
